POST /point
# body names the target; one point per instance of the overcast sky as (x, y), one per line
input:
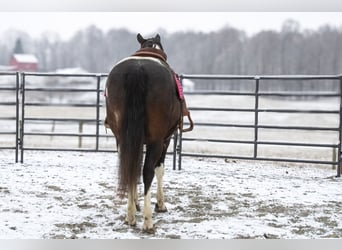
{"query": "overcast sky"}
(66, 23)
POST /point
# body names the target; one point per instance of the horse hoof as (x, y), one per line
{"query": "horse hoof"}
(150, 230)
(130, 223)
(160, 209)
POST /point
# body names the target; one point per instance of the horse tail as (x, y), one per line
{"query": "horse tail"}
(133, 130)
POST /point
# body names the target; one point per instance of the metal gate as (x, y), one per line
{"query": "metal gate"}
(54, 109)
(26, 121)
(9, 117)
(256, 93)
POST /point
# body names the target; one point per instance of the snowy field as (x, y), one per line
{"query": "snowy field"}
(58, 195)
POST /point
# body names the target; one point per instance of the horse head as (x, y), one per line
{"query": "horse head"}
(153, 42)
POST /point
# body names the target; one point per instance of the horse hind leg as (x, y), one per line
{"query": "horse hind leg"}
(153, 153)
(136, 199)
(148, 226)
(131, 208)
(160, 205)
(159, 172)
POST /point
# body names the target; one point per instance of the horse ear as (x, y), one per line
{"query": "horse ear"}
(157, 38)
(140, 39)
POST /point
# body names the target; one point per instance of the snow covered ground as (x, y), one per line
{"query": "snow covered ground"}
(72, 195)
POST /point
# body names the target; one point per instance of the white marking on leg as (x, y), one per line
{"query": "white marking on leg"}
(131, 209)
(159, 171)
(148, 223)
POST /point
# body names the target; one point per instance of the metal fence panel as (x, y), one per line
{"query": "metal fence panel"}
(73, 102)
(9, 103)
(256, 142)
(89, 127)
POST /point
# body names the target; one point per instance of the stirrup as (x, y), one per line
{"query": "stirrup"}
(191, 127)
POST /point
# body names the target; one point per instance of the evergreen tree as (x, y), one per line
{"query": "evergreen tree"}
(18, 49)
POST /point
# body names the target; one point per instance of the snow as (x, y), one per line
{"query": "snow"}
(25, 58)
(73, 195)
(75, 70)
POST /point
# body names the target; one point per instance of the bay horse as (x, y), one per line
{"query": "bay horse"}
(142, 108)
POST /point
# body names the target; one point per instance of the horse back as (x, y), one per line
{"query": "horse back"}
(156, 80)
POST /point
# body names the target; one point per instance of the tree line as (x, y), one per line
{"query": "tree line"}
(227, 51)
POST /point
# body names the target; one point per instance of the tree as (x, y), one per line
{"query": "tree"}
(18, 48)
(226, 51)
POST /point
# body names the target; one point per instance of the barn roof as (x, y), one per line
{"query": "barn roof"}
(25, 58)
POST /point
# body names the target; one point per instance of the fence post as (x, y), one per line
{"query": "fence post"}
(340, 134)
(175, 141)
(180, 149)
(22, 116)
(180, 134)
(98, 77)
(334, 157)
(17, 136)
(256, 116)
(80, 131)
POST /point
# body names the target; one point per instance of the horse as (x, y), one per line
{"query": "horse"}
(142, 109)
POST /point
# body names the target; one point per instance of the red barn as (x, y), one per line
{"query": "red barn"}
(24, 62)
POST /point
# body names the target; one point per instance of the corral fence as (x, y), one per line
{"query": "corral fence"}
(47, 107)
(9, 120)
(258, 90)
(79, 119)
